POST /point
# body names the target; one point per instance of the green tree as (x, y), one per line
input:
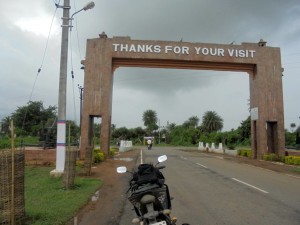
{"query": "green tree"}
(231, 138)
(97, 129)
(138, 132)
(137, 135)
(121, 133)
(211, 121)
(191, 122)
(30, 119)
(170, 127)
(245, 129)
(73, 134)
(183, 136)
(213, 137)
(150, 120)
(5, 123)
(290, 138)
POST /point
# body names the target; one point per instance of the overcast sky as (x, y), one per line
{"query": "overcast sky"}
(175, 95)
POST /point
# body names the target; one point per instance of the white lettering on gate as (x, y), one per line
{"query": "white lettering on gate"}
(132, 48)
(177, 49)
(124, 48)
(210, 51)
(241, 53)
(136, 48)
(157, 48)
(183, 50)
(116, 47)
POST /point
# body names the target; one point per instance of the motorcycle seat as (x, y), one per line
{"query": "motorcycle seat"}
(146, 199)
(145, 187)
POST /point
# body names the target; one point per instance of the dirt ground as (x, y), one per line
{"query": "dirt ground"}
(107, 210)
(108, 207)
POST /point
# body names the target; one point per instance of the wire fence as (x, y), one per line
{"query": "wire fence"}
(70, 167)
(12, 203)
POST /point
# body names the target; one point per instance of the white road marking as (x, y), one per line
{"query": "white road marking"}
(201, 165)
(249, 185)
(141, 156)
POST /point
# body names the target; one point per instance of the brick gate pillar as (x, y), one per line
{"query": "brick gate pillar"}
(97, 98)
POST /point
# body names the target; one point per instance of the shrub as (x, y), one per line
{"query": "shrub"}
(271, 157)
(282, 159)
(98, 156)
(297, 160)
(112, 151)
(245, 153)
(292, 160)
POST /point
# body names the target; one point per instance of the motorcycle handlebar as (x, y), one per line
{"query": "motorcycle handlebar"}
(160, 167)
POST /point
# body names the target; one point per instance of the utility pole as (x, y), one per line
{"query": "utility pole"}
(62, 96)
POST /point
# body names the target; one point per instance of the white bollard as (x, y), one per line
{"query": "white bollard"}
(220, 146)
(201, 146)
(219, 150)
(207, 147)
(213, 146)
(125, 146)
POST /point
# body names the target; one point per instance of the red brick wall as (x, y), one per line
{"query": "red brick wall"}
(293, 152)
(40, 156)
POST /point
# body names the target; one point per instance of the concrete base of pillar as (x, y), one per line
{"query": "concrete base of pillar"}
(56, 173)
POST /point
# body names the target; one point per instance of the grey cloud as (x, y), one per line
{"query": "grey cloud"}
(176, 94)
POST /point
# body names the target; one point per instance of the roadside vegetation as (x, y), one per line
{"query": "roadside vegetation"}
(47, 203)
(290, 160)
(36, 124)
(46, 200)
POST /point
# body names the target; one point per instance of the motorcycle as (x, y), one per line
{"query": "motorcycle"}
(149, 194)
(149, 144)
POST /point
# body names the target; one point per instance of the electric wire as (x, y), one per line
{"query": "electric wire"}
(71, 60)
(76, 27)
(72, 75)
(42, 62)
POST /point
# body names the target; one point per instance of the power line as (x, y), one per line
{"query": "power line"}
(72, 75)
(40, 68)
(71, 60)
(76, 25)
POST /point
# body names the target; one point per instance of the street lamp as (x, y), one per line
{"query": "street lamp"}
(61, 117)
(88, 6)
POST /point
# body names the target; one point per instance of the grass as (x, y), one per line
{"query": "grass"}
(297, 169)
(47, 203)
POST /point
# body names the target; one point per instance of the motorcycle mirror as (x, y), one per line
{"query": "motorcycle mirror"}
(122, 169)
(162, 158)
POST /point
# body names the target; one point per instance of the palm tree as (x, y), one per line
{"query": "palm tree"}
(150, 120)
(191, 122)
(211, 121)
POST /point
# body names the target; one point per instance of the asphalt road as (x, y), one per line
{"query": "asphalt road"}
(209, 190)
